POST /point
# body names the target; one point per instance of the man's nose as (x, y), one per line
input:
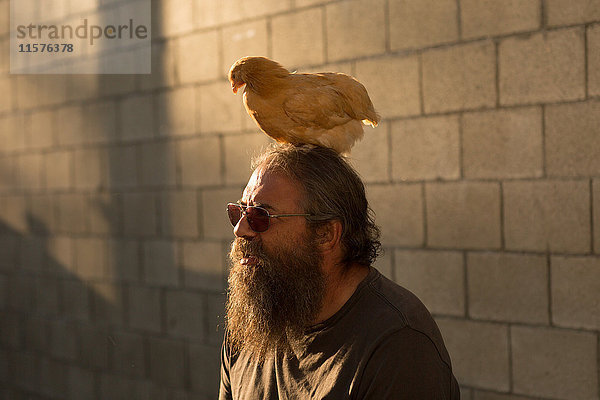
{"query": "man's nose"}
(242, 228)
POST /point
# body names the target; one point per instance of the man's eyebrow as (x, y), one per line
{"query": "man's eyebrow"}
(262, 205)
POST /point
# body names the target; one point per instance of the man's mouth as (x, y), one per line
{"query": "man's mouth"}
(249, 260)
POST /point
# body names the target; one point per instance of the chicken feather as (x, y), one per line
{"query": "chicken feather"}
(325, 109)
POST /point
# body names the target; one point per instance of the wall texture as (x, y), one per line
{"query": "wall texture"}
(485, 177)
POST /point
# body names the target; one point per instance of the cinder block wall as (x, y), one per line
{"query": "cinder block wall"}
(484, 176)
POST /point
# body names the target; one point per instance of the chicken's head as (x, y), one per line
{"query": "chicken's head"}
(236, 77)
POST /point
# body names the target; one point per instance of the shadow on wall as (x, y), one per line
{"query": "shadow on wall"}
(96, 299)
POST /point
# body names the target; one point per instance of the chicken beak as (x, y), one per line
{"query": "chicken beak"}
(235, 86)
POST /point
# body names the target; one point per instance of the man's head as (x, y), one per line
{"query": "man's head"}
(277, 280)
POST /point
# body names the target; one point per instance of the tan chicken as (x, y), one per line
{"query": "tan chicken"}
(325, 109)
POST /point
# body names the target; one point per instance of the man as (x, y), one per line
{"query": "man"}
(307, 315)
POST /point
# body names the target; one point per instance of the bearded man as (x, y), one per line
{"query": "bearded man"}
(307, 315)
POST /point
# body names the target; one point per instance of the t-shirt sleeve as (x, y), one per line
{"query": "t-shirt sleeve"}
(406, 365)
(225, 386)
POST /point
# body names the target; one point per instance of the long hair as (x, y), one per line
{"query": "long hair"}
(332, 190)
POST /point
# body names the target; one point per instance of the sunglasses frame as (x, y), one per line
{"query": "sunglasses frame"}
(243, 209)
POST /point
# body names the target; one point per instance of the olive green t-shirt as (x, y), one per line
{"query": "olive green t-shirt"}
(382, 344)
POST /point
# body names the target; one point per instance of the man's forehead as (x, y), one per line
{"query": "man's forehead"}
(271, 188)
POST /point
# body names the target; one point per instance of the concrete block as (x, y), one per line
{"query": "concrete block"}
(107, 300)
(3, 291)
(11, 335)
(41, 214)
(207, 13)
(158, 162)
(63, 340)
(479, 395)
(72, 212)
(179, 213)
(80, 384)
(399, 213)
(123, 388)
(293, 43)
(479, 352)
(371, 156)
(593, 59)
(459, 77)
(205, 364)
(58, 170)
(95, 342)
(554, 363)
(214, 203)
(29, 91)
(40, 128)
(139, 211)
(503, 143)
(163, 63)
(36, 334)
(12, 212)
(30, 168)
(137, 117)
(124, 260)
(122, 169)
(563, 12)
(176, 17)
(176, 112)
(167, 362)
(22, 294)
(13, 132)
(75, 300)
(216, 318)
(385, 264)
(244, 39)
(106, 213)
(101, 121)
(493, 17)
(200, 161)
(547, 216)
(47, 300)
(60, 255)
(6, 85)
(82, 87)
(203, 264)
(90, 256)
(575, 287)
(53, 378)
(596, 214)
(463, 215)
(392, 84)
(32, 253)
(219, 110)
(508, 287)
(418, 23)
(113, 84)
(185, 314)
(436, 277)
(25, 368)
(160, 263)
(544, 67)
(8, 170)
(426, 148)
(573, 139)
(198, 57)
(233, 10)
(8, 252)
(90, 168)
(144, 305)
(239, 151)
(355, 28)
(70, 121)
(129, 354)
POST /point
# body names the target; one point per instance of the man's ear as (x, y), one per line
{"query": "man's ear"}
(329, 235)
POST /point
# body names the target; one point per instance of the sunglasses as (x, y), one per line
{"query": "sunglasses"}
(258, 218)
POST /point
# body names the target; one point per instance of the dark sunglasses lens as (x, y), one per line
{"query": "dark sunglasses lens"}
(258, 219)
(235, 214)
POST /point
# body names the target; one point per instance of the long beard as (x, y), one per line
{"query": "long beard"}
(272, 301)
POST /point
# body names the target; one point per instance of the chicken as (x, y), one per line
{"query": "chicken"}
(324, 109)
